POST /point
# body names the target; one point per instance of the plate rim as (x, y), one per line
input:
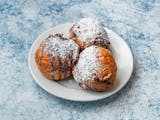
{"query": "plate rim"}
(77, 100)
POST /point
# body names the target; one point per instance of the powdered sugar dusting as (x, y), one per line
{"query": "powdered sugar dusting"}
(89, 29)
(87, 65)
(61, 47)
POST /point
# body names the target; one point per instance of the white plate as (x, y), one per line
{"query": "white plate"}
(68, 89)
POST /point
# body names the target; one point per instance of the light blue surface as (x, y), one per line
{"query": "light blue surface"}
(21, 21)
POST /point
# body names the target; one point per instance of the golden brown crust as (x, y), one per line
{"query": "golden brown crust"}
(107, 73)
(82, 44)
(104, 78)
(43, 63)
(107, 65)
(51, 68)
(54, 67)
(79, 42)
(98, 86)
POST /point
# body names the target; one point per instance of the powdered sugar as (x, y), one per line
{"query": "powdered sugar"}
(88, 29)
(87, 64)
(60, 47)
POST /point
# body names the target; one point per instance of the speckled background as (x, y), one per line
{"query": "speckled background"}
(21, 21)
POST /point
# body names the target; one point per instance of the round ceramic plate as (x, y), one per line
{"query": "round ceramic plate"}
(68, 89)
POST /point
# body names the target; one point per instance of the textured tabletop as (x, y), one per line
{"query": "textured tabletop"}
(21, 21)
